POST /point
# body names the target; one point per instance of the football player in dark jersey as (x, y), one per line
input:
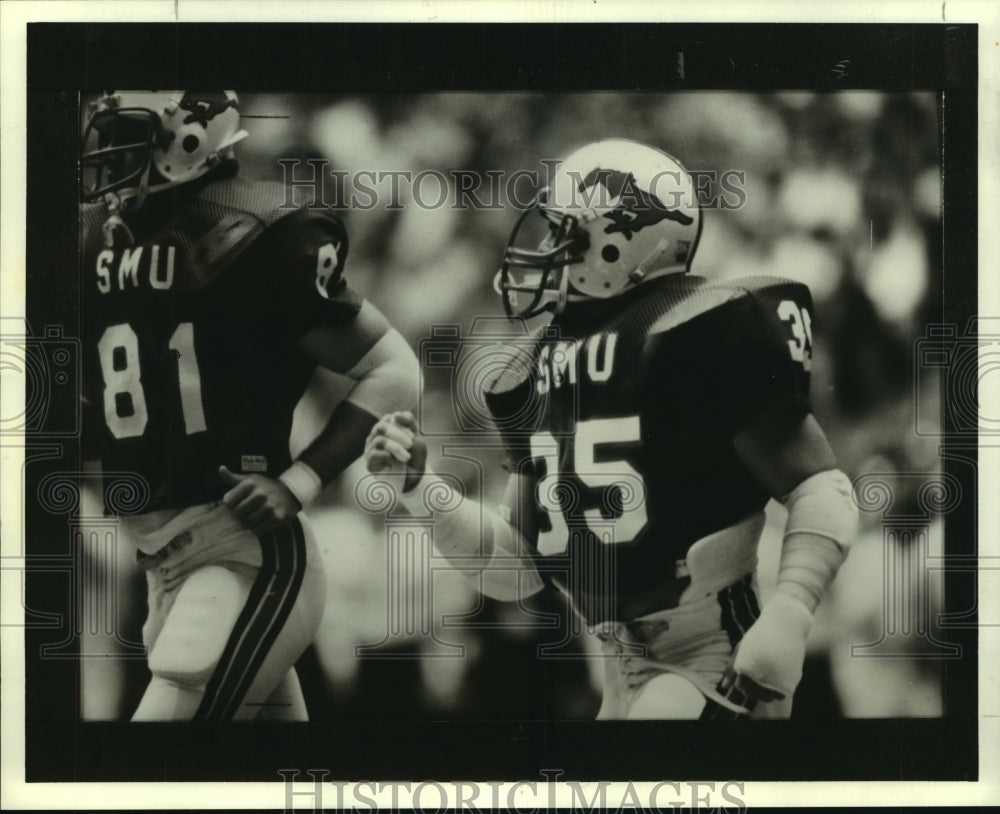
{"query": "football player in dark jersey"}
(206, 308)
(646, 429)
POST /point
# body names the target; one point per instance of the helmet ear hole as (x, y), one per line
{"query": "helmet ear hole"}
(190, 143)
(610, 253)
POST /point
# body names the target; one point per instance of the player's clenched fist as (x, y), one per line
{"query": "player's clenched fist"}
(773, 650)
(260, 503)
(767, 665)
(395, 447)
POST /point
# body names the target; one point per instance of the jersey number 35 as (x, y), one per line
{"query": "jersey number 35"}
(623, 490)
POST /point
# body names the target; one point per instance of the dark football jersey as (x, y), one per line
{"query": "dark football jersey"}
(626, 419)
(190, 333)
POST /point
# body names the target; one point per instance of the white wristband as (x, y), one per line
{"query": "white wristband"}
(302, 481)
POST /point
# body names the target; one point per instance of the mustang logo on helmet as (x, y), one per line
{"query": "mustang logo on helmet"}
(643, 208)
(206, 106)
(630, 221)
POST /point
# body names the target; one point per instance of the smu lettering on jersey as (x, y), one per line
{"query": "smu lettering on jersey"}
(190, 333)
(632, 414)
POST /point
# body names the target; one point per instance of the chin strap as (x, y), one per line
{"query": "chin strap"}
(563, 295)
(114, 225)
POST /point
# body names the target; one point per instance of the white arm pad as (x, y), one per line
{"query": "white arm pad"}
(388, 377)
(470, 529)
(823, 505)
(822, 523)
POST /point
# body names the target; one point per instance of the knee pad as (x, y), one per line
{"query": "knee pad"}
(198, 626)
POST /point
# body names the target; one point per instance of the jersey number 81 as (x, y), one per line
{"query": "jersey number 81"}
(124, 397)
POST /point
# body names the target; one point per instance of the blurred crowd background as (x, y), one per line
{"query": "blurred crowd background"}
(842, 192)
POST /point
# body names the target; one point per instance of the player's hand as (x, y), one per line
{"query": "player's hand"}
(741, 690)
(260, 503)
(395, 447)
(770, 656)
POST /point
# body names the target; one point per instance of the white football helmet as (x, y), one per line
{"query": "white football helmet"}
(139, 142)
(617, 214)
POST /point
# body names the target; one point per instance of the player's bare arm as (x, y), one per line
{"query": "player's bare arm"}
(793, 460)
(385, 371)
(471, 530)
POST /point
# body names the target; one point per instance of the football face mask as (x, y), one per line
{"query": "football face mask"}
(618, 213)
(538, 273)
(138, 142)
(118, 153)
